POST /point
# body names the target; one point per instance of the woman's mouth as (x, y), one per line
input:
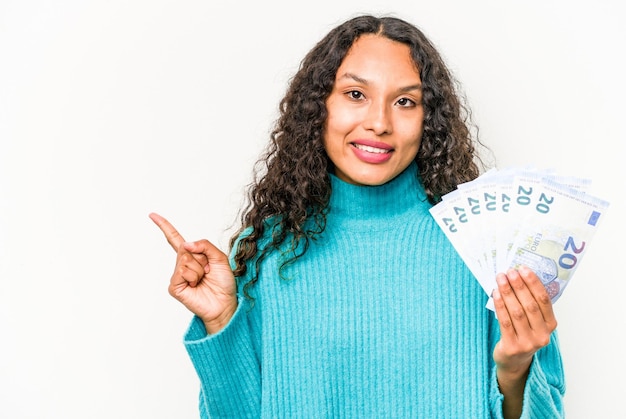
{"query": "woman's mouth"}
(372, 151)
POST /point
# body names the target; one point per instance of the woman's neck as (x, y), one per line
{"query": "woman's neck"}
(377, 203)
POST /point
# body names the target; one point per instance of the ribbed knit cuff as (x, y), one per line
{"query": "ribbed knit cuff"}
(227, 366)
(545, 388)
(543, 391)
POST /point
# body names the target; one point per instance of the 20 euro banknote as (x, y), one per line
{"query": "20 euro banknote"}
(521, 216)
(556, 234)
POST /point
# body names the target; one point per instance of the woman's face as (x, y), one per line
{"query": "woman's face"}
(375, 113)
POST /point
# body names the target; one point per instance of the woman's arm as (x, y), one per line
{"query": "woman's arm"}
(219, 340)
(227, 366)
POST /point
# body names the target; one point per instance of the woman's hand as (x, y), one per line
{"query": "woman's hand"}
(203, 280)
(524, 311)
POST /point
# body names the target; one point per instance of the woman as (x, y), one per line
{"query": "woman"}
(348, 299)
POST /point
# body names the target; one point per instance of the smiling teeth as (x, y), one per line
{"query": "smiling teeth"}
(371, 149)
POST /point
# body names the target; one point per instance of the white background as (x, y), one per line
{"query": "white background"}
(112, 109)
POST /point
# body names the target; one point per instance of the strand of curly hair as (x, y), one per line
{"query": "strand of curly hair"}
(291, 185)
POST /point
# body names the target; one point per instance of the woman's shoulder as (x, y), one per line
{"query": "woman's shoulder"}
(270, 228)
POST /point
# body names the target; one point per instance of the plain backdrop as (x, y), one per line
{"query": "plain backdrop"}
(110, 110)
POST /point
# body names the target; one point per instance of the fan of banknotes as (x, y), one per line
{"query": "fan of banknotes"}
(521, 216)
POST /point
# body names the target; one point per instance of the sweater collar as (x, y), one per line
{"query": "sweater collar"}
(366, 202)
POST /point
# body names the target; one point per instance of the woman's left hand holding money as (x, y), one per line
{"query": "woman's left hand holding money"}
(526, 318)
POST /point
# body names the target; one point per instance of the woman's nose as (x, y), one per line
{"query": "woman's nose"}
(378, 118)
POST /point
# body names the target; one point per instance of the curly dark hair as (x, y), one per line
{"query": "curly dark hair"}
(291, 186)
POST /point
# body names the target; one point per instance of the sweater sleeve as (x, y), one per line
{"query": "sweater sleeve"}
(227, 366)
(545, 384)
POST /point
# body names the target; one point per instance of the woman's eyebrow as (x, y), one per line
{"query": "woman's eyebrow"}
(354, 77)
(417, 86)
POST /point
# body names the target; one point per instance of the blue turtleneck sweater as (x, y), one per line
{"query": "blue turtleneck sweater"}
(379, 319)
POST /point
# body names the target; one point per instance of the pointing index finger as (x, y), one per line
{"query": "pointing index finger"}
(171, 234)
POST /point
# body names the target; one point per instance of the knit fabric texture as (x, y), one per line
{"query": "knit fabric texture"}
(380, 318)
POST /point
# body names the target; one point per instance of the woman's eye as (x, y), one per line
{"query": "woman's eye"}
(406, 102)
(355, 94)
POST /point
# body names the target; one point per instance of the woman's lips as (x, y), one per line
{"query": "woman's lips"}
(371, 151)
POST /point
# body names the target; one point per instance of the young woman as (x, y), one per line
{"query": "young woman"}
(343, 298)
